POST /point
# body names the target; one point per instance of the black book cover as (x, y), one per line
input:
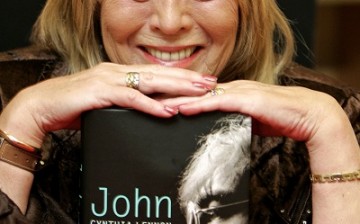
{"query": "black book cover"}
(139, 169)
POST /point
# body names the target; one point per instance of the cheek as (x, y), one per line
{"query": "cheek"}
(118, 21)
(220, 24)
(225, 28)
(113, 28)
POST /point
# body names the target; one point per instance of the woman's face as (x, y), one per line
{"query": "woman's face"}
(195, 34)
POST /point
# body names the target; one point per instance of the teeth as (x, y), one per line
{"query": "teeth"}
(171, 56)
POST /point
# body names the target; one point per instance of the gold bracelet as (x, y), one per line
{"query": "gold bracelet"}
(335, 177)
(19, 154)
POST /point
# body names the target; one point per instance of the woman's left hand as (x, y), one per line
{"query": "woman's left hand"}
(304, 115)
(292, 111)
(296, 112)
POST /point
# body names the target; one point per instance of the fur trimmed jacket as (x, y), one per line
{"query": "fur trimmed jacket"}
(280, 187)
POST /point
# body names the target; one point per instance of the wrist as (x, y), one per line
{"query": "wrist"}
(16, 119)
(334, 147)
(19, 154)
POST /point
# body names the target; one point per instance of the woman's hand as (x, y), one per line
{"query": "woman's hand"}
(58, 103)
(276, 110)
(305, 115)
(295, 112)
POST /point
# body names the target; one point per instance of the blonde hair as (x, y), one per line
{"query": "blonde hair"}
(264, 44)
(69, 27)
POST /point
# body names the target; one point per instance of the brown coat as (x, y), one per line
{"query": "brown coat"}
(280, 188)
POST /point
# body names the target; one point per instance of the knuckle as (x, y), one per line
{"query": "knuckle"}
(132, 96)
(99, 69)
(157, 67)
(147, 76)
(101, 65)
(146, 80)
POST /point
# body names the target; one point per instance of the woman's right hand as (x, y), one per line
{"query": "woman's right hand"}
(58, 103)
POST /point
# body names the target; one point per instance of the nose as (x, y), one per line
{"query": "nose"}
(171, 17)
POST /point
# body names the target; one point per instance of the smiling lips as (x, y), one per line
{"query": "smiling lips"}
(171, 56)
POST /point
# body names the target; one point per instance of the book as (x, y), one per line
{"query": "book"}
(139, 169)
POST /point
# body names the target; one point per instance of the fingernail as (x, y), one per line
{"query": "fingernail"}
(171, 110)
(200, 86)
(210, 78)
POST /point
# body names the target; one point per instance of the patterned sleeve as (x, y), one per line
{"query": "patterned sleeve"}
(352, 109)
(9, 212)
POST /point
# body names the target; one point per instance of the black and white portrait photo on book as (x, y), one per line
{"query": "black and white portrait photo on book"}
(185, 170)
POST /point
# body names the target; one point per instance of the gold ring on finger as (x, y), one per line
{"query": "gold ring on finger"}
(217, 91)
(132, 80)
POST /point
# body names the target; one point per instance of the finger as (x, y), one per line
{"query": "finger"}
(168, 71)
(263, 124)
(205, 104)
(276, 113)
(177, 101)
(156, 78)
(75, 94)
(131, 98)
(247, 97)
(150, 83)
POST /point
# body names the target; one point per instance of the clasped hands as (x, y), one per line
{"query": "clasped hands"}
(57, 103)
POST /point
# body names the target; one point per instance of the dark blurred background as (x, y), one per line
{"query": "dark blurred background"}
(16, 20)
